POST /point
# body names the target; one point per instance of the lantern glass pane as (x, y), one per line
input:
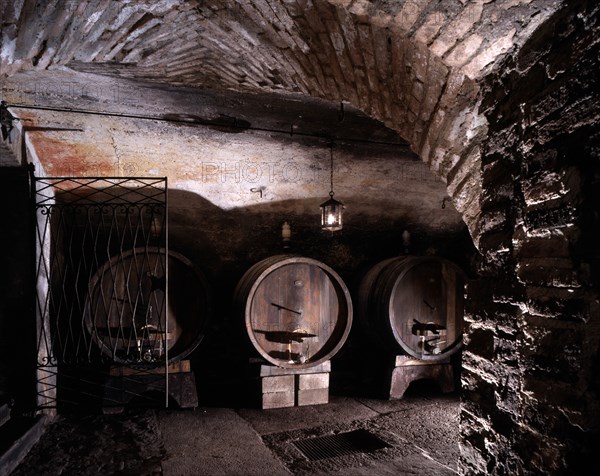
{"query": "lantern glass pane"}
(331, 215)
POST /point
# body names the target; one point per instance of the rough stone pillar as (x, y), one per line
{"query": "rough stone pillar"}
(531, 402)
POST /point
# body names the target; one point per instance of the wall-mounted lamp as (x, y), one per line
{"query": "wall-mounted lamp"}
(286, 234)
(331, 210)
(406, 241)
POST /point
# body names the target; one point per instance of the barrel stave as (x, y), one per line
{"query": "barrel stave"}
(126, 305)
(297, 310)
(414, 305)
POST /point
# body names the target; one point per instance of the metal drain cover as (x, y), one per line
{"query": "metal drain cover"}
(331, 446)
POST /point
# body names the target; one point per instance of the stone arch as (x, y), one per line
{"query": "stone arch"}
(363, 56)
(413, 65)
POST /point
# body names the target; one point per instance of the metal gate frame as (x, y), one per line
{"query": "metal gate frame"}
(85, 228)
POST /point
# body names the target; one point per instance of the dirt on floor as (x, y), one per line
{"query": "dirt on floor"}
(419, 435)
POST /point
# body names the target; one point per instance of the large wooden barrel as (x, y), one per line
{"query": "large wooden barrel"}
(414, 305)
(297, 310)
(126, 307)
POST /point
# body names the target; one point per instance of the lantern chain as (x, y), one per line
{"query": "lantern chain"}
(331, 145)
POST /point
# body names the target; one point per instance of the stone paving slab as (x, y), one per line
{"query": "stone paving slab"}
(214, 441)
(407, 403)
(431, 429)
(422, 441)
(414, 464)
(275, 420)
(93, 445)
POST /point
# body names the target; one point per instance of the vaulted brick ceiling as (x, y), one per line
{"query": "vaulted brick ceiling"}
(415, 64)
(314, 47)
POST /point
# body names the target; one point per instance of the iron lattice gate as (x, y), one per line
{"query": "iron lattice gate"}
(102, 290)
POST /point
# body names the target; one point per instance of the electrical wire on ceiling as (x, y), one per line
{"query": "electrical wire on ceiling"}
(234, 124)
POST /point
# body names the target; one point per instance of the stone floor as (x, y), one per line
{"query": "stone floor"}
(421, 432)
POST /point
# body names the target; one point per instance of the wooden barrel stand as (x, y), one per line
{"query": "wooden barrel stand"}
(412, 310)
(129, 318)
(125, 383)
(407, 370)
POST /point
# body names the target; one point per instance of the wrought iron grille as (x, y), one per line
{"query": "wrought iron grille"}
(102, 283)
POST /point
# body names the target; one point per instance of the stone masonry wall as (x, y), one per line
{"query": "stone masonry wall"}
(531, 401)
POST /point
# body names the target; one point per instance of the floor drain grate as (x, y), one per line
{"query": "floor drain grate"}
(357, 441)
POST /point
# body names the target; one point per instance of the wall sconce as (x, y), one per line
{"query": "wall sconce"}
(406, 241)
(331, 210)
(286, 234)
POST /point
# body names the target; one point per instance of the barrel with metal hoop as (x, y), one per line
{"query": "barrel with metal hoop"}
(414, 305)
(297, 310)
(128, 316)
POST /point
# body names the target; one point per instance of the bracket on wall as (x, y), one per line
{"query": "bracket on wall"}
(341, 113)
(258, 190)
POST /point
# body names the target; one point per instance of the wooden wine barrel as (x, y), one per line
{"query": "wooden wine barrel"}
(125, 307)
(297, 310)
(414, 305)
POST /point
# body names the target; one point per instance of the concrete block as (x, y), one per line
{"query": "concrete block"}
(313, 381)
(315, 396)
(266, 370)
(282, 387)
(280, 383)
(400, 360)
(277, 400)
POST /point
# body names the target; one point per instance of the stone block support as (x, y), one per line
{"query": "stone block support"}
(281, 387)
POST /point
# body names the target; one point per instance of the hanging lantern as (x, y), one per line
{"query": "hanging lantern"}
(331, 210)
(331, 214)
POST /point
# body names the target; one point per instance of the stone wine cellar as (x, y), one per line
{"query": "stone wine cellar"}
(461, 132)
